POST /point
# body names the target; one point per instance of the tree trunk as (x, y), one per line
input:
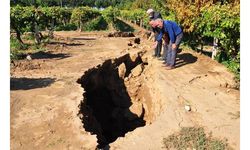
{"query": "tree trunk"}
(37, 34)
(215, 48)
(141, 23)
(80, 24)
(51, 31)
(201, 43)
(18, 36)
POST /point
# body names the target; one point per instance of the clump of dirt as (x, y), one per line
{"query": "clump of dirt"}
(33, 62)
(134, 42)
(25, 65)
(194, 138)
(121, 34)
(113, 104)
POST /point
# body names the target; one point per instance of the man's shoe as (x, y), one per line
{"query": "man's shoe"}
(170, 67)
(161, 58)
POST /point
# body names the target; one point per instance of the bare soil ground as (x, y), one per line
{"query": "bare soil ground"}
(49, 110)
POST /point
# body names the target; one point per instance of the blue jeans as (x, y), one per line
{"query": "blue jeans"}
(171, 53)
(165, 52)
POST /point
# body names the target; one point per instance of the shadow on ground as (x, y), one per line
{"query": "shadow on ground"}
(66, 44)
(84, 38)
(30, 83)
(184, 59)
(47, 55)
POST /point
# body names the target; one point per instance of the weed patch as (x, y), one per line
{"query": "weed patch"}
(194, 138)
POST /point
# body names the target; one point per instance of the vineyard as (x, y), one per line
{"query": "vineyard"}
(203, 23)
(83, 75)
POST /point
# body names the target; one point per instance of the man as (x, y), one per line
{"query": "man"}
(153, 16)
(175, 35)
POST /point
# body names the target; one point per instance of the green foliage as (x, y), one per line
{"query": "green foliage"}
(201, 20)
(21, 19)
(138, 16)
(68, 3)
(96, 24)
(207, 19)
(194, 138)
(81, 15)
(50, 17)
(223, 23)
(233, 64)
(15, 45)
(67, 27)
(15, 48)
(110, 14)
(123, 26)
(24, 19)
(133, 15)
(28, 36)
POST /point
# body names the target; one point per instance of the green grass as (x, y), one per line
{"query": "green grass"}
(194, 138)
(28, 37)
(19, 50)
(16, 49)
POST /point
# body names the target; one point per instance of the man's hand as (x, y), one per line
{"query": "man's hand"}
(173, 46)
(155, 44)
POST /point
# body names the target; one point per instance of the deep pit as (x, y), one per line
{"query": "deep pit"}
(106, 106)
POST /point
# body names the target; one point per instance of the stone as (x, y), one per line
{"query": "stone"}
(144, 59)
(122, 70)
(136, 71)
(137, 40)
(136, 108)
(133, 57)
(130, 44)
(187, 108)
(134, 46)
(28, 57)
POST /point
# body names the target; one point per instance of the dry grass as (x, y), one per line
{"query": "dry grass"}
(194, 138)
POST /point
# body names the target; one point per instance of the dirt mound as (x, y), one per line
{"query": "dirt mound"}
(26, 65)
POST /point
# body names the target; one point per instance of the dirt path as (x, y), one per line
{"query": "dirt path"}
(45, 96)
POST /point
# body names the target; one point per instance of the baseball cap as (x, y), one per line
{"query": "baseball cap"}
(150, 11)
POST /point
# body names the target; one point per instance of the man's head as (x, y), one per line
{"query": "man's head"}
(156, 23)
(150, 12)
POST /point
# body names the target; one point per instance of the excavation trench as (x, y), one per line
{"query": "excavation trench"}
(112, 104)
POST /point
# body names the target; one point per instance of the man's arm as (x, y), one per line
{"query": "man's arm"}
(159, 37)
(170, 33)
